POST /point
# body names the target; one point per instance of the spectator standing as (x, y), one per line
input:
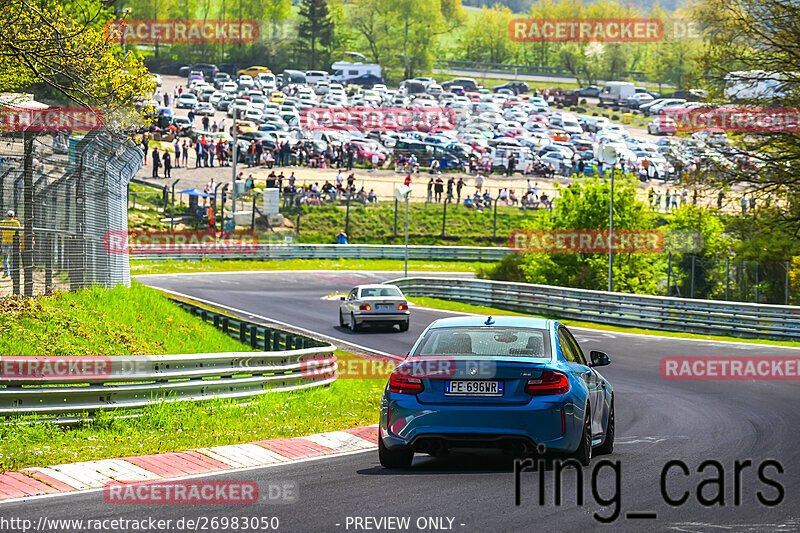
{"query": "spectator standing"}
(191, 116)
(341, 238)
(450, 184)
(674, 199)
(650, 197)
(720, 197)
(177, 153)
(430, 191)
(7, 242)
(198, 150)
(185, 148)
(438, 187)
(145, 146)
(156, 162)
(684, 196)
(752, 203)
(167, 163)
(666, 204)
(479, 182)
(744, 204)
(511, 164)
(459, 186)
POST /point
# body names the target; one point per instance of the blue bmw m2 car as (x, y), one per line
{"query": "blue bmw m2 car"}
(519, 384)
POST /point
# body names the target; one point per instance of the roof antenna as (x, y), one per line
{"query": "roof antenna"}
(489, 321)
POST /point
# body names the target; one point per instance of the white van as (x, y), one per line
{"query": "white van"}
(344, 70)
(567, 122)
(617, 92)
(314, 76)
(499, 157)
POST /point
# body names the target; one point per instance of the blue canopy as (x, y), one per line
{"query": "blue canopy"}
(196, 192)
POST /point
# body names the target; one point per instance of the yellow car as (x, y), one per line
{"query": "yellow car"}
(253, 71)
(246, 126)
(277, 97)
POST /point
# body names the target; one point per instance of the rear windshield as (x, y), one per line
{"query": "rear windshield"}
(380, 292)
(488, 341)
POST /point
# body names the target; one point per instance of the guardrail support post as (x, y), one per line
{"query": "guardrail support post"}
(727, 277)
(225, 325)
(254, 337)
(786, 285)
(242, 333)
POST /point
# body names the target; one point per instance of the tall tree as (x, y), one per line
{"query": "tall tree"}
(762, 37)
(315, 32)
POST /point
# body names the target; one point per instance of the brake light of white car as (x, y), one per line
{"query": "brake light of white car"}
(402, 384)
(402, 307)
(548, 383)
(365, 307)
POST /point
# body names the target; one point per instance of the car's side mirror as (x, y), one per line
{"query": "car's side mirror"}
(342, 298)
(599, 358)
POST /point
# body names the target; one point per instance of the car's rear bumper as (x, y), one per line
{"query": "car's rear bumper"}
(400, 316)
(404, 421)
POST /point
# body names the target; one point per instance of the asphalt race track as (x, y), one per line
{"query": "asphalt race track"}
(657, 421)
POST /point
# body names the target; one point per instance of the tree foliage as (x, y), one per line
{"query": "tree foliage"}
(759, 35)
(42, 46)
(315, 31)
(585, 206)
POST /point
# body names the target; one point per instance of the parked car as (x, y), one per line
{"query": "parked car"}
(186, 101)
(516, 87)
(204, 109)
(662, 126)
(638, 99)
(591, 90)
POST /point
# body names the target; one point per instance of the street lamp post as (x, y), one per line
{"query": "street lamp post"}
(610, 236)
(402, 193)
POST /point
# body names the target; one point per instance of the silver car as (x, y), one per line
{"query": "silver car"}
(374, 304)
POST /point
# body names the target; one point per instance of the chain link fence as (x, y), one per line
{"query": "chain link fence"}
(66, 193)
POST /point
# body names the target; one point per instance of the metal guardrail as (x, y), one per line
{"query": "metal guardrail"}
(132, 382)
(776, 322)
(283, 252)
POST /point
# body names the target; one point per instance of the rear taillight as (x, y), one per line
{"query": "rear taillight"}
(404, 384)
(548, 383)
(365, 307)
(402, 307)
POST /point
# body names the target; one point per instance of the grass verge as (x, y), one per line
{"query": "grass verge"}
(170, 267)
(120, 321)
(179, 426)
(469, 308)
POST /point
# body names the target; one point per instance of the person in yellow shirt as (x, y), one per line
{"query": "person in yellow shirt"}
(7, 240)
